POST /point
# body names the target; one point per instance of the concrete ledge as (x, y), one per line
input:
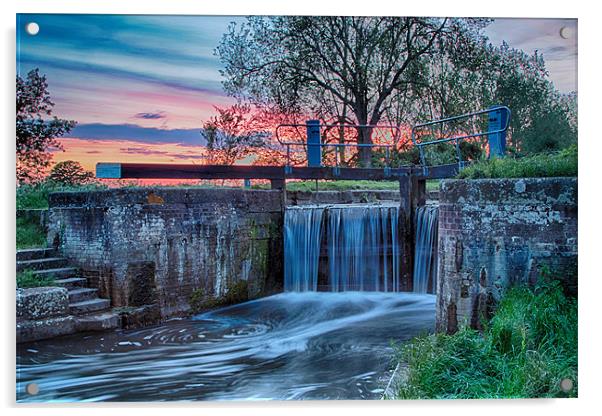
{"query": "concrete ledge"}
(35, 330)
(340, 197)
(42, 302)
(264, 200)
(509, 191)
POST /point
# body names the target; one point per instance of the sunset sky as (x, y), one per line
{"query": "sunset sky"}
(141, 86)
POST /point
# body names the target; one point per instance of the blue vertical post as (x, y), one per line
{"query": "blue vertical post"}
(314, 148)
(247, 183)
(497, 141)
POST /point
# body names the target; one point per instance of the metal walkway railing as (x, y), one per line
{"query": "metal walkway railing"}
(458, 139)
(338, 146)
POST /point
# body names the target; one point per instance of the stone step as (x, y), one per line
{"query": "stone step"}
(71, 282)
(35, 253)
(82, 294)
(41, 264)
(89, 306)
(58, 273)
(98, 321)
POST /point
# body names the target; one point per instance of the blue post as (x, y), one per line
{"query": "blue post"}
(314, 148)
(247, 183)
(497, 141)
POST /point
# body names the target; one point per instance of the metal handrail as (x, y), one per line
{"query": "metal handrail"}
(457, 139)
(337, 145)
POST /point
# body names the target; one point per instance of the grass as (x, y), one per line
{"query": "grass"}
(36, 196)
(526, 349)
(27, 278)
(562, 163)
(29, 235)
(346, 185)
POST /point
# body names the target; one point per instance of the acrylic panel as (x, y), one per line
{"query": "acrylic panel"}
(237, 208)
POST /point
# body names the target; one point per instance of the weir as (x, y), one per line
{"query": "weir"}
(302, 238)
(361, 246)
(425, 257)
(343, 248)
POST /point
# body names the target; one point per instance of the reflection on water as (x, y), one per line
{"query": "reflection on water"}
(312, 345)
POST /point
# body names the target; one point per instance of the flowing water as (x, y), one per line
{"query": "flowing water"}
(302, 238)
(363, 248)
(310, 345)
(425, 257)
(361, 243)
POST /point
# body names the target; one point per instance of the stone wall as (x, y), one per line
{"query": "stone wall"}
(497, 232)
(340, 197)
(160, 245)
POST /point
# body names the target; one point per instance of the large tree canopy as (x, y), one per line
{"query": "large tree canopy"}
(352, 67)
(391, 70)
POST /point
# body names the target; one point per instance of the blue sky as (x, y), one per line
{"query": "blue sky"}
(153, 79)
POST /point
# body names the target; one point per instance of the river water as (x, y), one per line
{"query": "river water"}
(311, 345)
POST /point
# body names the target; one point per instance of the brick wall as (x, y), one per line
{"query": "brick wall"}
(497, 232)
(162, 244)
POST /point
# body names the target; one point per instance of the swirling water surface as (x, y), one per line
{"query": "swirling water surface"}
(312, 345)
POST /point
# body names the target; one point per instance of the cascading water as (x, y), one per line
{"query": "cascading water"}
(361, 242)
(302, 239)
(425, 257)
(363, 248)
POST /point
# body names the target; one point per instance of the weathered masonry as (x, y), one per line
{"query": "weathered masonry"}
(497, 232)
(160, 245)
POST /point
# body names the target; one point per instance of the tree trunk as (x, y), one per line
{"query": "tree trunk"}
(365, 153)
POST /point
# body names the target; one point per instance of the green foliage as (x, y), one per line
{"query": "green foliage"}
(562, 163)
(35, 196)
(36, 128)
(526, 349)
(70, 173)
(237, 293)
(28, 278)
(462, 80)
(29, 234)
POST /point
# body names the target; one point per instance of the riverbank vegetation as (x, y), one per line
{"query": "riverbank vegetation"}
(561, 163)
(527, 348)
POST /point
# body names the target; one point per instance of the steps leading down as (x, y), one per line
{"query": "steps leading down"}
(91, 312)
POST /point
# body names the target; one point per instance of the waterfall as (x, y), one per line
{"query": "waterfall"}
(361, 243)
(425, 255)
(363, 248)
(302, 239)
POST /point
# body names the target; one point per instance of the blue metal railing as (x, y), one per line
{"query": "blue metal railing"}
(337, 146)
(458, 139)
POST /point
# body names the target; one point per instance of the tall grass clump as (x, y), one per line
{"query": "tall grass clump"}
(562, 163)
(525, 350)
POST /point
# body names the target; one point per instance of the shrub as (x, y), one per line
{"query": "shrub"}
(526, 349)
(562, 163)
